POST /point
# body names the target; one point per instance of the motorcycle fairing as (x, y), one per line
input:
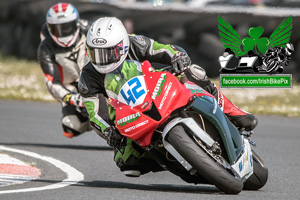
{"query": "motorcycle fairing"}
(208, 107)
(171, 93)
(196, 89)
(142, 124)
(244, 165)
(164, 94)
(238, 149)
(133, 92)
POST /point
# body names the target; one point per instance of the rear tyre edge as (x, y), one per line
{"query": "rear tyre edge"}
(260, 174)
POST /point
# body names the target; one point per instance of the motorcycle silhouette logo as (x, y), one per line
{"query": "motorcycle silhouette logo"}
(256, 53)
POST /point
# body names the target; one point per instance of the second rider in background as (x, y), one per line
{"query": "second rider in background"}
(61, 55)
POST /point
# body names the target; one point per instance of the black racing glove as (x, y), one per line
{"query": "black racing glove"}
(180, 62)
(113, 137)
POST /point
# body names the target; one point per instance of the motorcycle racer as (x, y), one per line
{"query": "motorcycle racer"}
(61, 55)
(108, 46)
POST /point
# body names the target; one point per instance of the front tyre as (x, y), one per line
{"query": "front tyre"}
(260, 174)
(202, 162)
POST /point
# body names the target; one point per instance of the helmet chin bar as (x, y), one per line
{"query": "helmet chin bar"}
(66, 41)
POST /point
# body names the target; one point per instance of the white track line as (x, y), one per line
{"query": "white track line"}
(73, 175)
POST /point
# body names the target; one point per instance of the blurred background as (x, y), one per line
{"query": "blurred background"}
(191, 24)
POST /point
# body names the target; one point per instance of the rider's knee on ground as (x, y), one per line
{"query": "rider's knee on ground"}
(72, 126)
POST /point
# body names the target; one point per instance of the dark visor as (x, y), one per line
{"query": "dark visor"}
(63, 30)
(105, 56)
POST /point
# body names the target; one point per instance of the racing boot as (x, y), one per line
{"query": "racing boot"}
(68, 135)
(74, 126)
(240, 118)
(67, 132)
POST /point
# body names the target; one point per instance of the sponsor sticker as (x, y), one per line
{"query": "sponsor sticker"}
(165, 96)
(194, 88)
(158, 87)
(137, 126)
(128, 119)
(99, 41)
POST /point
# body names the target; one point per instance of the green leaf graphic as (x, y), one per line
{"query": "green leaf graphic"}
(229, 37)
(248, 44)
(262, 44)
(255, 33)
(281, 34)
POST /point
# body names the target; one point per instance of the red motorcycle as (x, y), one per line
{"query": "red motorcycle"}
(183, 129)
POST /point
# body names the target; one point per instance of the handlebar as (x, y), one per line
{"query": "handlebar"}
(170, 69)
(167, 68)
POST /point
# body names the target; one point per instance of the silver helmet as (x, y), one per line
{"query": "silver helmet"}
(107, 44)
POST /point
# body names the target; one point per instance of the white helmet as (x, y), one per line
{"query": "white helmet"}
(107, 44)
(63, 24)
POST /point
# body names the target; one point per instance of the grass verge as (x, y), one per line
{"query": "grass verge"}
(21, 79)
(283, 102)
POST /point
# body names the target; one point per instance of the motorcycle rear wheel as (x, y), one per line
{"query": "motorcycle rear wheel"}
(202, 162)
(260, 174)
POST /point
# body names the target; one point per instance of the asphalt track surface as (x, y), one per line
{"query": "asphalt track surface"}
(35, 127)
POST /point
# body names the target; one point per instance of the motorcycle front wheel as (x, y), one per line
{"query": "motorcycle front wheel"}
(206, 166)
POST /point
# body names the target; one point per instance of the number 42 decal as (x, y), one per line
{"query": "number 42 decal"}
(133, 92)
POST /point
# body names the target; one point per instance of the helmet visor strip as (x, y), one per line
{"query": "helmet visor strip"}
(63, 30)
(105, 56)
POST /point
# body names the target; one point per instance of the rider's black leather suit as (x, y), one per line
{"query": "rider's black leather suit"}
(62, 67)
